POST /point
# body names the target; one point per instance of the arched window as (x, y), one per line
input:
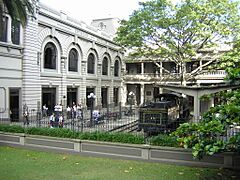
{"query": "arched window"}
(116, 68)
(15, 32)
(91, 64)
(3, 32)
(73, 60)
(105, 66)
(50, 55)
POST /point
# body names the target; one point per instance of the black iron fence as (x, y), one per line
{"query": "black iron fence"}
(118, 119)
(112, 119)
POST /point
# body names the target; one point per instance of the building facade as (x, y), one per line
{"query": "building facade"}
(147, 77)
(56, 60)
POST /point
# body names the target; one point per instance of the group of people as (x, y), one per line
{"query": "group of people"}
(75, 111)
(56, 118)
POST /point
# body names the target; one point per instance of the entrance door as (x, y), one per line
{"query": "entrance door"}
(71, 96)
(49, 98)
(88, 91)
(104, 95)
(14, 104)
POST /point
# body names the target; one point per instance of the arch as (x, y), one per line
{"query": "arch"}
(117, 67)
(91, 63)
(45, 34)
(105, 66)
(51, 49)
(106, 63)
(74, 57)
(92, 58)
(50, 56)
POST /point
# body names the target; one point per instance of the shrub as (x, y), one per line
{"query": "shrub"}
(55, 132)
(11, 128)
(164, 140)
(112, 137)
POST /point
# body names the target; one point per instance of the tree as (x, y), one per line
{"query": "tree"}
(177, 32)
(17, 9)
(214, 133)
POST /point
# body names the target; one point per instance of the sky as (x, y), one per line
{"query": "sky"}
(86, 10)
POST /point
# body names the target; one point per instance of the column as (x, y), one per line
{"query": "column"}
(123, 93)
(21, 35)
(142, 94)
(9, 30)
(196, 109)
(212, 102)
(63, 88)
(142, 68)
(161, 69)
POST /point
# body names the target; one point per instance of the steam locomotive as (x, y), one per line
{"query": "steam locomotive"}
(164, 114)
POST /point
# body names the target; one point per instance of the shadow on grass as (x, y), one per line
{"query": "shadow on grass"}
(223, 174)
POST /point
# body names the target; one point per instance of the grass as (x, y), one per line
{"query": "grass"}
(17, 163)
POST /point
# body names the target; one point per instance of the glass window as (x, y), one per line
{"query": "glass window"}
(50, 55)
(105, 66)
(104, 96)
(115, 96)
(73, 60)
(116, 68)
(15, 32)
(91, 64)
(3, 33)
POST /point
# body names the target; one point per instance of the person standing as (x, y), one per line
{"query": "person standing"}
(25, 114)
(69, 112)
(60, 123)
(74, 110)
(79, 111)
(52, 120)
(45, 109)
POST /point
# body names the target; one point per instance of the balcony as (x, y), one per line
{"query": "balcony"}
(152, 77)
(205, 77)
(211, 76)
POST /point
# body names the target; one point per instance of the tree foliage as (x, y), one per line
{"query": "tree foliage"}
(177, 32)
(218, 131)
(17, 9)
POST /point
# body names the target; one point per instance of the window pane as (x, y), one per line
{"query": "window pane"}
(15, 32)
(105, 66)
(50, 56)
(116, 68)
(115, 96)
(3, 34)
(104, 96)
(91, 64)
(73, 60)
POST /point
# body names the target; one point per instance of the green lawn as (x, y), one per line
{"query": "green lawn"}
(27, 164)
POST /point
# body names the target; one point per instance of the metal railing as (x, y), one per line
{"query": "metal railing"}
(108, 120)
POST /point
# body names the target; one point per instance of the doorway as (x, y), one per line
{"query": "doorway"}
(49, 98)
(88, 91)
(14, 104)
(71, 96)
(104, 96)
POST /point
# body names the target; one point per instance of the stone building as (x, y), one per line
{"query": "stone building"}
(56, 60)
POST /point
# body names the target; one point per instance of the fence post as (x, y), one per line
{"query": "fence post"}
(107, 111)
(120, 110)
(22, 139)
(145, 151)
